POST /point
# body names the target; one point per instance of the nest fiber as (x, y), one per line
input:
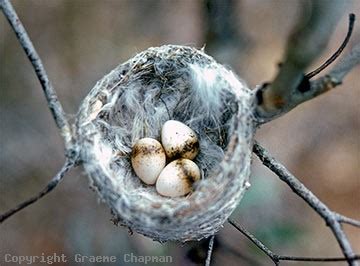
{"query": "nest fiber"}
(133, 101)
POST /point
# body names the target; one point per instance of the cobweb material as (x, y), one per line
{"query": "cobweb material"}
(134, 101)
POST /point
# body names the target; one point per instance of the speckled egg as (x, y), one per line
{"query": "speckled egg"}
(179, 141)
(177, 178)
(148, 159)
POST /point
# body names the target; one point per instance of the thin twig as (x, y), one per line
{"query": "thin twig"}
(330, 217)
(330, 80)
(347, 220)
(346, 64)
(224, 247)
(336, 75)
(210, 251)
(50, 94)
(338, 52)
(257, 242)
(278, 258)
(291, 258)
(49, 187)
(309, 38)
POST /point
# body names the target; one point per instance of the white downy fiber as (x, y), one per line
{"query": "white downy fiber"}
(134, 101)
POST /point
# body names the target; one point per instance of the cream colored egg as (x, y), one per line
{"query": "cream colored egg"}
(179, 141)
(148, 159)
(177, 178)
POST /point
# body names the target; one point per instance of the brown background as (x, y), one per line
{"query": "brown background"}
(79, 41)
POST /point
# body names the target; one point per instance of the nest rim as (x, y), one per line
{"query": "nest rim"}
(160, 221)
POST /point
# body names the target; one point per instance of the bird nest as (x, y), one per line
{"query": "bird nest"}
(133, 101)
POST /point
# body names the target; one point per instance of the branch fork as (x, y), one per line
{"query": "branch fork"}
(292, 86)
(289, 88)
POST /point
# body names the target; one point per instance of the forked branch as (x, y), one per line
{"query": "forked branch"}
(291, 85)
(335, 76)
(304, 45)
(332, 219)
(53, 104)
(278, 258)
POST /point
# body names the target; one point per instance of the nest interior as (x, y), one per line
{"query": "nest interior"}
(134, 101)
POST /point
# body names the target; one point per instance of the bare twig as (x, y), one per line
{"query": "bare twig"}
(257, 242)
(329, 81)
(335, 76)
(338, 52)
(291, 258)
(308, 40)
(53, 103)
(224, 247)
(304, 45)
(347, 220)
(332, 219)
(49, 187)
(346, 64)
(210, 251)
(278, 258)
(50, 94)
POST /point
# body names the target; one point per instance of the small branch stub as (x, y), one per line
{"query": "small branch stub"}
(291, 86)
(176, 82)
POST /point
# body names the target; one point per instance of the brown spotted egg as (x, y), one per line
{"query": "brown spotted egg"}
(148, 159)
(177, 178)
(179, 141)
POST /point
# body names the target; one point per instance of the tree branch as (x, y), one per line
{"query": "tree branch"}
(277, 258)
(332, 219)
(50, 94)
(210, 251)
(49, 187)
(347, 220)
(257, 242)
(308, 40)
(335, 76)
(329, 81)
(224, 247)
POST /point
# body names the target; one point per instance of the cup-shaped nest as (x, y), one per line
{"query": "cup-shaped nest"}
(133, 101)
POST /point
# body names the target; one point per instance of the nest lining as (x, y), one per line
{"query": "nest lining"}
(134, 101)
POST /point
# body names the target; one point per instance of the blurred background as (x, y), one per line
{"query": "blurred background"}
(81, 40)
